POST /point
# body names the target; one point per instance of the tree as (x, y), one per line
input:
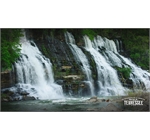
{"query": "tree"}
(10, 50)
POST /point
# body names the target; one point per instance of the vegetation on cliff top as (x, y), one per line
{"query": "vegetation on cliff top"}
(9, 47)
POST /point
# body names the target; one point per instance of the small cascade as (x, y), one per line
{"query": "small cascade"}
(99, 43)
(34, 73)
(108, 81)
(81, 57)
(139, 77)
(110, 45)
(119, 45)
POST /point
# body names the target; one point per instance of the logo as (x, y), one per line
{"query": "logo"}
(133, 101)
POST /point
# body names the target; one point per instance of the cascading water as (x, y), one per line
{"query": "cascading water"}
(34, 73)
(93, 69)
(110, 45)
(140, 78)
(108, 81)
(81, 57)
(119, 45)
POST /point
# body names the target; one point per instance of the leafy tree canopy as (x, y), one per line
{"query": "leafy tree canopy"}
(10, 50)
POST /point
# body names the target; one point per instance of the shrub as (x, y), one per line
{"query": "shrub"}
(125, 72)
(89, 32)
(10, 50)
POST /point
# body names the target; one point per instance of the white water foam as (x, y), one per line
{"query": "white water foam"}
(34, 73)
(81, 57)
(108, 80)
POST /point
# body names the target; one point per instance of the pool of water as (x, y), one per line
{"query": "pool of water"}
(72, 105)
(65, 105)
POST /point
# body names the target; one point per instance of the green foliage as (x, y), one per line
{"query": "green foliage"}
(125, 72)
(89, 32)
(135, 56)
(137, 47)
(10, 50)
(44, 50)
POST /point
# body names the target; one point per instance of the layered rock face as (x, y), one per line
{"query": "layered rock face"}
(7, 79)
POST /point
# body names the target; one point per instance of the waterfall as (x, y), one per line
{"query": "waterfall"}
(119, 45)
(139, 77)
(81, 57)
(108, 80)
(34, 73)
(110, 45)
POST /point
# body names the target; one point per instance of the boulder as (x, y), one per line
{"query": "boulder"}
(28, 98)
(60, 82)
(82, 85)
(93, 100)
(24, 93)
(5, 100)
(107, 100)
(103, 100)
